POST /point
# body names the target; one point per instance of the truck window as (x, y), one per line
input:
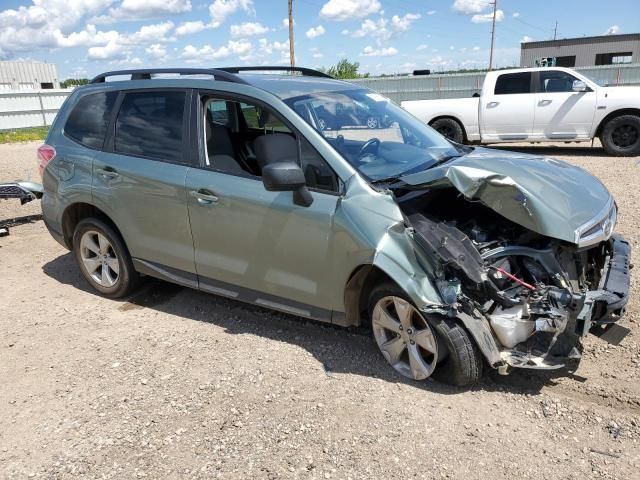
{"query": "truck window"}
(554, 81)
(513, 83)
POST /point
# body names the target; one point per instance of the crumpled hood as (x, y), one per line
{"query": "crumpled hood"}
(548, 196)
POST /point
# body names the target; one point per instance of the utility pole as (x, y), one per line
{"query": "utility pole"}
(493, 33)
(292, 56)
(555, 30)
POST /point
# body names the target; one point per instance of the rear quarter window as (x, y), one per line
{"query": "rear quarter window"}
(88, 120)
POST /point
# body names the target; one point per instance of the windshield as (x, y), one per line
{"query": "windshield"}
(377, 137)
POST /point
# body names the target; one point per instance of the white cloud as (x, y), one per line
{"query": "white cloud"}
(112, 50)
(526, 39)
(369, 51)
(88, 37)
(247, 29)
(315, 53)
(285, 22)
(120, 46)
(402, 24)
(145, 9)
(515, 14)
(476, 49)
(382, 29)
(487, 17)
(34, 26)
(189, 28)
(470, 6)
(432, 12)
(206, 53)
(341, 10)
(220, 10)
(422, 46)
(613, 30)
(315, 32)
(157, 51)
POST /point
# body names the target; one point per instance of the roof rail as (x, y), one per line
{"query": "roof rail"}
(307, 72)
(145, 74)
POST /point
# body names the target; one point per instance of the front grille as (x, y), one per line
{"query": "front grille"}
(11, 191)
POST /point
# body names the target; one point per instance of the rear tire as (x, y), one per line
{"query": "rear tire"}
(449, 128)
(621, 136)
(103, 258)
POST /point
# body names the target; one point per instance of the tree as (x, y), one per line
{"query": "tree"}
(73, 82)
(345, 69)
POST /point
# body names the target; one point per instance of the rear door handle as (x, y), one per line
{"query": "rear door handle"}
(544, 103)
(107, 172)
(204, 196)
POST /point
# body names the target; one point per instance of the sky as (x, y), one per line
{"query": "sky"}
(86, 37)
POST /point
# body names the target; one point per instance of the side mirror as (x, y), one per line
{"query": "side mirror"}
(287, 177)
(579, 86)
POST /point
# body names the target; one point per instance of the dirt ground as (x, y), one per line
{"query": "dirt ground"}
(174, 383)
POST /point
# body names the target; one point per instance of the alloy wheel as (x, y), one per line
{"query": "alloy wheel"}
(404, 337)
(99, 258)
(372, 122)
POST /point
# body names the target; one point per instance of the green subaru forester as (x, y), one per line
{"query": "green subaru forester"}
(225, 180)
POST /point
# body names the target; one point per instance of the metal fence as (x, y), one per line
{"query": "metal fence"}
(30, 108)
(464, 85)
(37, 108)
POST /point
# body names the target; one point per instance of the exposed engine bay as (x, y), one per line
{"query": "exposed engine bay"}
(537, 294)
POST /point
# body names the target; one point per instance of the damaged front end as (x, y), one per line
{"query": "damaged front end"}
(525, 294)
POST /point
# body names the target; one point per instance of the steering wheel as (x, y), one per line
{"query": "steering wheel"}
(371, 146)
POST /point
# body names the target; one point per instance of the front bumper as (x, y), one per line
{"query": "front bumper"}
(607, 303)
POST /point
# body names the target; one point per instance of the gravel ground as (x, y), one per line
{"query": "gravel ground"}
(174, 383)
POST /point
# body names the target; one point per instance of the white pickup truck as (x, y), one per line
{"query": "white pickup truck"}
(539, 105)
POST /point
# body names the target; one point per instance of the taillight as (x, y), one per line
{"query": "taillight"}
(46, 153)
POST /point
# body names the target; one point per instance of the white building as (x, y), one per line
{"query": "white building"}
(28, 76)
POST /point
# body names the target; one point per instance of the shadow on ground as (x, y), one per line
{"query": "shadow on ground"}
(339, 350)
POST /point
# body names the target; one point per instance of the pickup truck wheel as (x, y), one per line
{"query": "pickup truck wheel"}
(621, 136)
(372, 123)
(449, 128)
(103, 259)
(416, 347)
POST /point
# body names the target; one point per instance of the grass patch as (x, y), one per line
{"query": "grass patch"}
(24, 134)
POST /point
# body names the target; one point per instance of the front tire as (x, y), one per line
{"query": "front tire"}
(417, 347)
(621, 136)
(103, 258)
(449, 128)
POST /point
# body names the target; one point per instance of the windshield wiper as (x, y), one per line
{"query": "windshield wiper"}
(445, 159)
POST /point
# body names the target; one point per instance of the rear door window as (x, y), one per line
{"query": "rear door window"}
(513, 83)
(88, 121)
(151, 124)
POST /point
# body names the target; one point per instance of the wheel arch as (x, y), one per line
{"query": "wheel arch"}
(78, 211)
(615, 114)
(455, 119)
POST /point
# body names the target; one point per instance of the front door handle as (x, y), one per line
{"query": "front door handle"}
(107, 172)
(492, 104)
(544, 103)
(204, 196)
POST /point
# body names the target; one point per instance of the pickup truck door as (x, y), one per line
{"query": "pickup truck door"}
(506, 108)
(561, 113)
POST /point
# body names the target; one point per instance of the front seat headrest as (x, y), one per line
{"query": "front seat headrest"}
(275, 147)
